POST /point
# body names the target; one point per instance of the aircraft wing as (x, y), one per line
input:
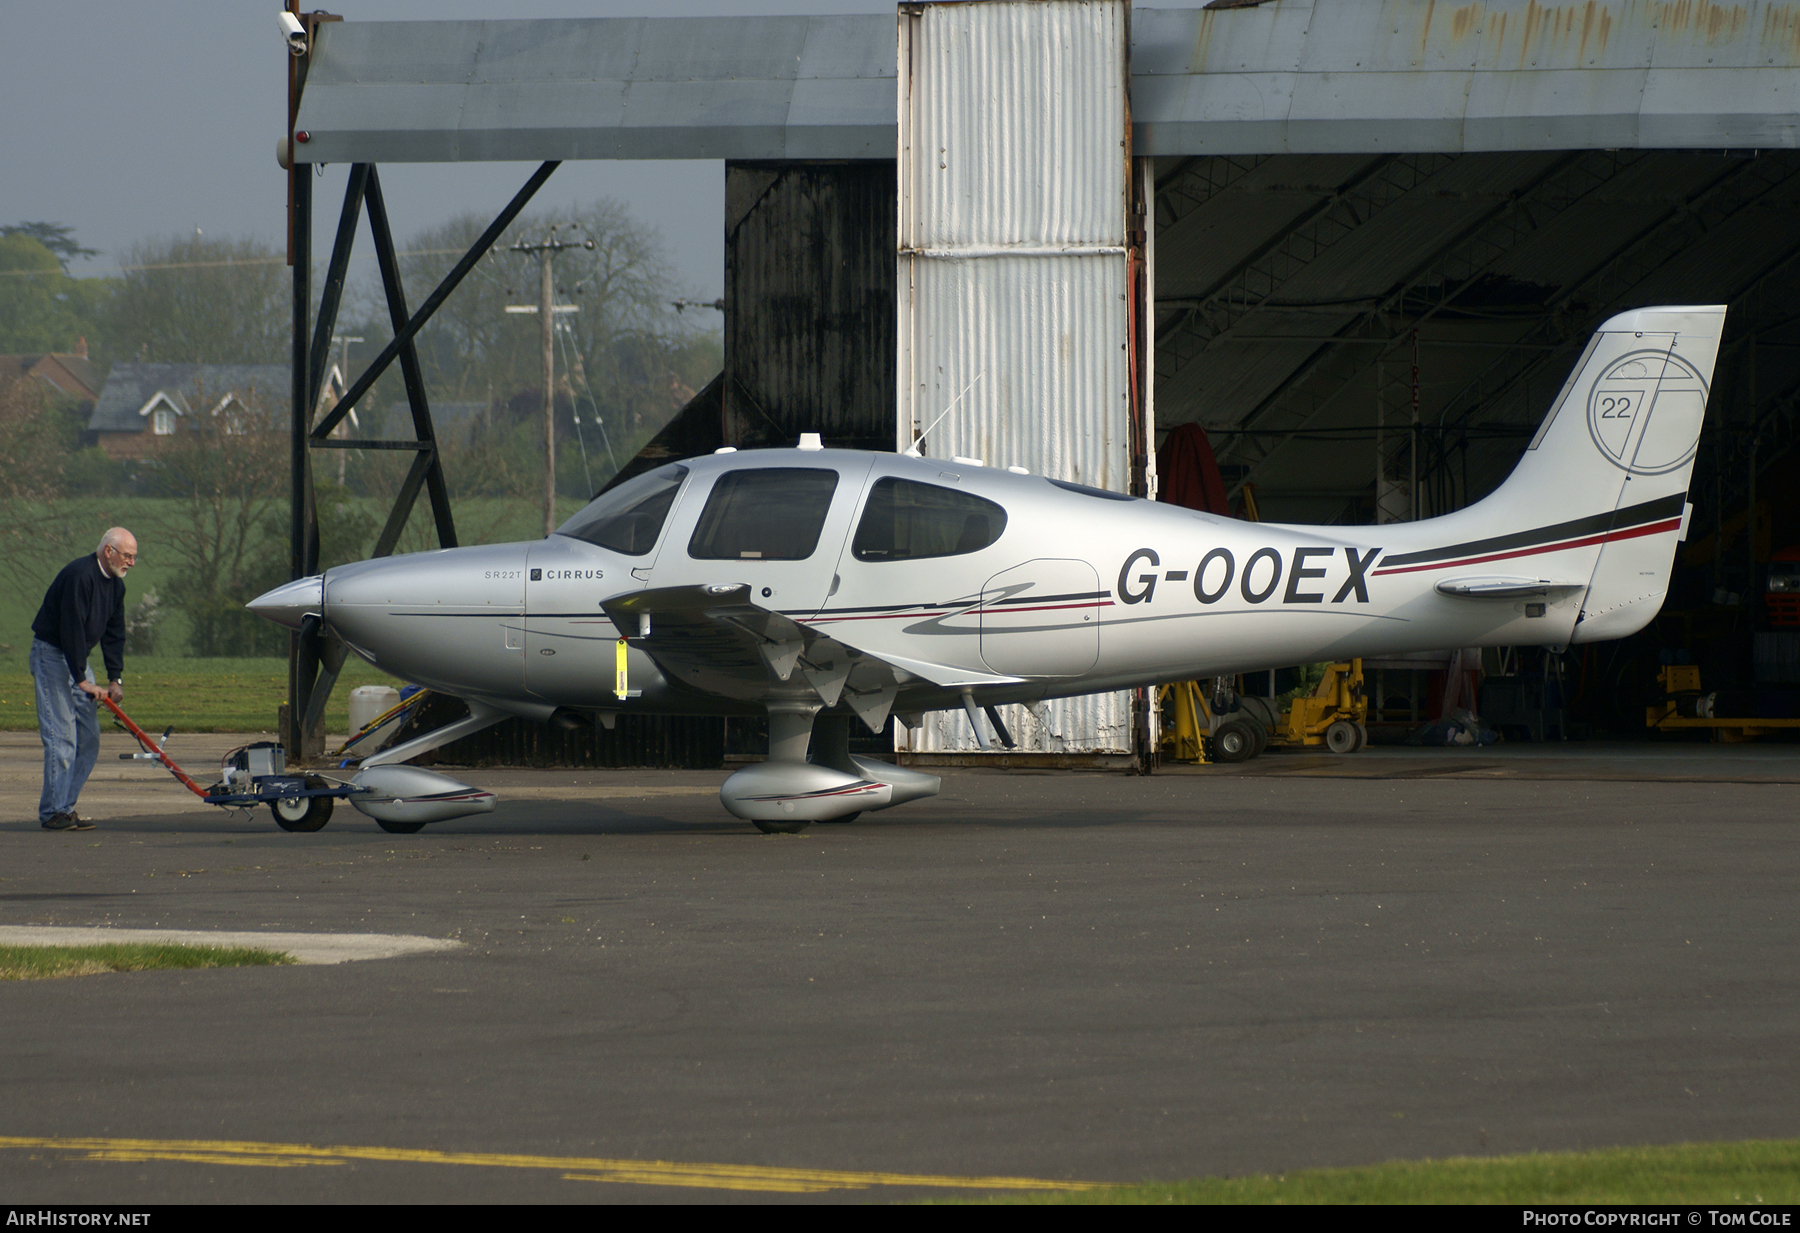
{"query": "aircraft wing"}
(718, 639)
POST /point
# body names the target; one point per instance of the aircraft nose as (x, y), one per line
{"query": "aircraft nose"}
(291, 603)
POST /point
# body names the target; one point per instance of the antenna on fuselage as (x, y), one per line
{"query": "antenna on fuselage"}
(912, 451)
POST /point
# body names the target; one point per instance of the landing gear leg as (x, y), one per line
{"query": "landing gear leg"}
(790, 732)
(831, 747)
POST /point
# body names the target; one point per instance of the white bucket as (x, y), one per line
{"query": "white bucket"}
(368, 701)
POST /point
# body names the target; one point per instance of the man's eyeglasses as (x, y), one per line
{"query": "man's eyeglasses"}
(130, 558)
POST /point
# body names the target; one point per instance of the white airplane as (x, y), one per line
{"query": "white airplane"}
(822, 585)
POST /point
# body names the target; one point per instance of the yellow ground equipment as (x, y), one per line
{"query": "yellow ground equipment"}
(1193, 730)
(1335, 715)
(1684, 706)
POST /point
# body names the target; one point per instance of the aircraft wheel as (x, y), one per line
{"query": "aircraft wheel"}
(303, 813)
(780, 828)
(399, 828)
(1341, 737)
(1233, 742)
(849, 817)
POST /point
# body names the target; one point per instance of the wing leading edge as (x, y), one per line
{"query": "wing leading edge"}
(717, 638)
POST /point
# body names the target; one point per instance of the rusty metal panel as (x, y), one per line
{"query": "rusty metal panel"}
(621, 87)
(1288, 77)
(809, 296)
(1013, 164)
(1399, 75)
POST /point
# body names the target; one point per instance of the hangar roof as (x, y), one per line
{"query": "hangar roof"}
(1291, 76)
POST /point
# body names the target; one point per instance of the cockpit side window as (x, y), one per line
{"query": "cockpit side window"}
(630, 517)
(769, 514)
(904, 520)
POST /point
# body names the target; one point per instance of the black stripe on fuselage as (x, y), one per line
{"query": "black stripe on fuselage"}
(1597, 524)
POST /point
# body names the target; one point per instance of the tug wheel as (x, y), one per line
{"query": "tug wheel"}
(780, 828)
(1342, 737)
(303, 813)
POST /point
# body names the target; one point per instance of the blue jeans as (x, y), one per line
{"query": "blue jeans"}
(69, 723)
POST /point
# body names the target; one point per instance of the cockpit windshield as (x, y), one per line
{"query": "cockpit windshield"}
(630, 517)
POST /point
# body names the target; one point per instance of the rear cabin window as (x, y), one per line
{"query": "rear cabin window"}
(909, 521)
(771, 514)
(630, 517)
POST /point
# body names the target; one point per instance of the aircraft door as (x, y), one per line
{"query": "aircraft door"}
(1042, 618)
(778, 529)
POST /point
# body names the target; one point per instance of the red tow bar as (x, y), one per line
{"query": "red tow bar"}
(150, 745)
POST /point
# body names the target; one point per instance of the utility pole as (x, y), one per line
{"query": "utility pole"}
(343, 429)
(546, 308)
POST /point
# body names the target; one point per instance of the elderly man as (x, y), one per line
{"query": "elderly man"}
(84, 606)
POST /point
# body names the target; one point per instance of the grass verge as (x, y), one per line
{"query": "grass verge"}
(52, 962)
(196, 695)
(1752, 1171)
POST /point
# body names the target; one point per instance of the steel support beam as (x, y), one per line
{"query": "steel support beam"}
(303, 524)
(1606, 286)
(423, 430)
(403, 334)
(314, 657)
(1331, 370)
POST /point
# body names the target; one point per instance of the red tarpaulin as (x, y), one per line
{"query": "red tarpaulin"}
(1187, 474)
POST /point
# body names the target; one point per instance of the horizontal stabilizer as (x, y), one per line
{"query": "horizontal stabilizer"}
(1494, 587)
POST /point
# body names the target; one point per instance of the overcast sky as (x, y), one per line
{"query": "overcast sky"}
(129, 120)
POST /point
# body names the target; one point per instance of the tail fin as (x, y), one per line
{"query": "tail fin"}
(1608, 470)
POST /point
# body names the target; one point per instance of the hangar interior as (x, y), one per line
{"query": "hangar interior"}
(1368, 338)
(1366, 333)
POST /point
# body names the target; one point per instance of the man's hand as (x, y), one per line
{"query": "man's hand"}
(90, 689)
(116, 691)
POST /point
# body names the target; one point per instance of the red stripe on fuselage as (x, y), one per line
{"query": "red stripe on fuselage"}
(918, 613)
(1654, 528)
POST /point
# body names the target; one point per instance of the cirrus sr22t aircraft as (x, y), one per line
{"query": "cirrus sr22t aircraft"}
(828, 586)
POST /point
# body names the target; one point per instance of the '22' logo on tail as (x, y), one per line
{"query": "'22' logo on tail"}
(1257, 581)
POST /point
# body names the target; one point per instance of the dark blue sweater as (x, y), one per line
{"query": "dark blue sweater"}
(85, 606)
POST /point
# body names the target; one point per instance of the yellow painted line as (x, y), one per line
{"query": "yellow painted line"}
(572, 1168)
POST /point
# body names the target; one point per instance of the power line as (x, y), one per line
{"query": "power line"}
(207, 265)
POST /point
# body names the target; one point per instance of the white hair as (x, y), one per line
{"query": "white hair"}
(112, 537)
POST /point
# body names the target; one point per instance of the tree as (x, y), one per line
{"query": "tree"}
(622, 361)
(31, 459)
(191, 299)
(57, 237)
(41, 307)
(227, 475)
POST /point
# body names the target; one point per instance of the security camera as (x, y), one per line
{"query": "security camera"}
(292, 31)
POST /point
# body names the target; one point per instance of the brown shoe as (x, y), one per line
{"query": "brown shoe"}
(79, 823)
(58, 822)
